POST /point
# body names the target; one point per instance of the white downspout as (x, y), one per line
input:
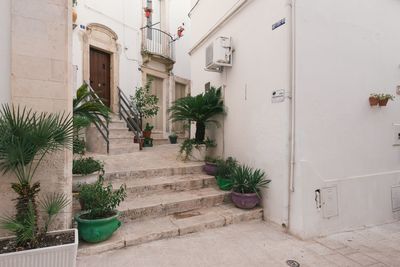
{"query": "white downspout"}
(292, 114)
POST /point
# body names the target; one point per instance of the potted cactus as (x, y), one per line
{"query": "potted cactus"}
(246, 187)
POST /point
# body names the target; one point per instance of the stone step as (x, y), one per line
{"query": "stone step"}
(147, 186)
(121, 133)
(123, 141)
(152, 206)
(178, 224)
(118, 149)
(193, 168)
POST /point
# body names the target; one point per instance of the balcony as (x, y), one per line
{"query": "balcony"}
(158, 44)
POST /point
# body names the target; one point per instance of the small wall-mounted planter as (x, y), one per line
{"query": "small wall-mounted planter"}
(373, 101)
(383, 102)
(60, 256)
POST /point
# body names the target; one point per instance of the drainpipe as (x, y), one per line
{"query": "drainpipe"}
(292, 118)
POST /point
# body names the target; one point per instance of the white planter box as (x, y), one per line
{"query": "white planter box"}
(58, 256)
(199, 153)
(78, 179)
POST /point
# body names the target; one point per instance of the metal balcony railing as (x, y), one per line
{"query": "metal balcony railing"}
(158, 42)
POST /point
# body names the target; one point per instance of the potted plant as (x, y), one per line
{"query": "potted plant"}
(145, 103)
(85, 170)
(27, 138)
(173, 138)
(374, 100)
(210, 166)
(224, 172)
(99, 217)
(147, 130)
(384, 99)
(246, 187)
(74, 12)
(202, 110)
(147, 12)
(148, 142)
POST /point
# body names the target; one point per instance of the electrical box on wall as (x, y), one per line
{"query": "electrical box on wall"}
(329, 199)
(396, 198)
(396, 134)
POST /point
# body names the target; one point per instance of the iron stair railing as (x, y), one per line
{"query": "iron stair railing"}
(130, 116)
(101, 126)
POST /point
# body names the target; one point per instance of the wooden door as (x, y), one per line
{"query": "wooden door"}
(100, 74)
(157, 89)
(180, 91)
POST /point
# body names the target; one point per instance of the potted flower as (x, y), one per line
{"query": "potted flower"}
(374, 100)
(147, 12)
(147, 130)
(173, 138)
(224, 172)
(27, 138)
(74, 12)
(85, 170)
(384, 99)
(210, 166)
(99, 217)
(247, 184)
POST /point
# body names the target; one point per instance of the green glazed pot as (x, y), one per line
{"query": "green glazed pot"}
(224, 184)
(95, 231)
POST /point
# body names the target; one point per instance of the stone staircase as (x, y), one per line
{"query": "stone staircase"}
(168, 202)
(121, 139)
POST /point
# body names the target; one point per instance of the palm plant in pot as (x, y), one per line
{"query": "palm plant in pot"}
(246, 187)
(85, 170)
(99, 217)
(27, 138)
(202, 110)
(224, 173)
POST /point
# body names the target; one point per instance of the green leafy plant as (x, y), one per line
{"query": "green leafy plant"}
(87, 109)
(200, 109)
(148, 127)
(383, 96)
(145, 102)
(100, 201)
(186, 148)
(79, 146)
(27, 138)
(211, 159)
(247, 180)
(226, 168)
(85, 166)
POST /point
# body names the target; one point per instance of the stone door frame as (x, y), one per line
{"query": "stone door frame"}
(103, 38)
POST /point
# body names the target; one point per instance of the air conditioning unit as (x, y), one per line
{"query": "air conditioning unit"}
(219, 54)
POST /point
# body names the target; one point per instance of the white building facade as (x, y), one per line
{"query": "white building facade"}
(114, 34)
(297, 105)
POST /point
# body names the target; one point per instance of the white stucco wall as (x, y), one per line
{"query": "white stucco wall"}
(254, 131)
(5, 50)
(124, 17)
(345, 51)
(178, 11)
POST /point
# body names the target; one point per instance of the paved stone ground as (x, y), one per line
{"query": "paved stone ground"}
(260, 244)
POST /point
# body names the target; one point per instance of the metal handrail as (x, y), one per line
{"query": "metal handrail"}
(131, 117)
(99, 123)
(158, 42)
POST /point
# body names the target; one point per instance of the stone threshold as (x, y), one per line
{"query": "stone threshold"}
(139, 232)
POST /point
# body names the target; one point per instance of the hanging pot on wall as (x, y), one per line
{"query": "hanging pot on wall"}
(74, 15)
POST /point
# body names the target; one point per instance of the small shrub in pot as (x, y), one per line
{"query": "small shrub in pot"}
(224, 172)
(85, 170)
(99, 217)
(246, 187)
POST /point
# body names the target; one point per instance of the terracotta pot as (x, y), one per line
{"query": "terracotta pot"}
(383, 102)
(373, 101)
(146, 134)
(245, 201)
(210, 168)
(74, 15)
